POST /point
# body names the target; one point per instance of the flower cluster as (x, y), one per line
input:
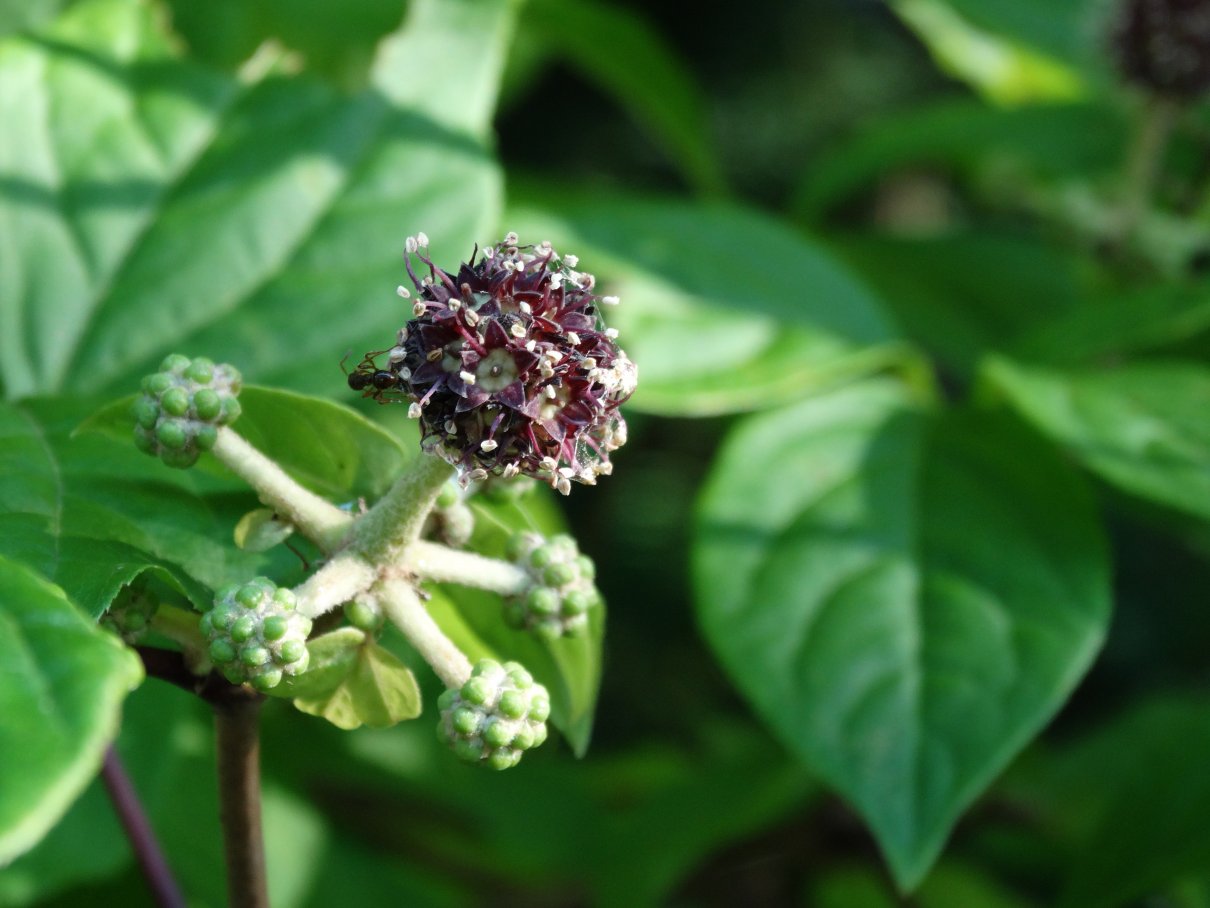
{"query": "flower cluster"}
(497, 715)
(1165, 45)
(508, 366)
(561, 592)
(255, 635)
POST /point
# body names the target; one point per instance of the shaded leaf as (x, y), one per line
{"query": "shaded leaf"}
(61, 688)
(378, 690)
(906, 602)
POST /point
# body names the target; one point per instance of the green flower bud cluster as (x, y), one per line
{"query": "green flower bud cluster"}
(255, 634)
(562, 593)
(451, 520)
(178, 414)
(497, 715)
(129, 615)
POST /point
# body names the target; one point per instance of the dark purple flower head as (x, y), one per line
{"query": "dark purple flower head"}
(1165, 45)
(509, 366)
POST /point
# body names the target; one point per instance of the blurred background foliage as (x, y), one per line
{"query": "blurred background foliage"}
(848, 216)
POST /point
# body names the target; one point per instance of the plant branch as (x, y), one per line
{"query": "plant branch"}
(342, 578)
(237, 733)
(1144, 159)
(446, 565)
(387, 529)
(319, 520)
(164, 889)
(402, 605)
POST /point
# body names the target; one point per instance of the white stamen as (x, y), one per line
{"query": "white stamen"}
(611, 333)
(414, 411)
(571, 260)
(517, 330)
(418, 308)
(510, 238)
(403, 291)
(468, 377)
(422, 239)
(488, 445)
(610, 300)
(525, 307)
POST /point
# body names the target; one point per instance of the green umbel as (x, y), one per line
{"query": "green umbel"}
(255, 635)
(562, 592)
(497, 715)
(130, 613)
(182, 406)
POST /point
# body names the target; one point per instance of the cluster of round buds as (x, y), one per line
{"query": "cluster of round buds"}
(451, 520)
(562, 592)
(255, 634)
(1165, 45)
(178, 414)
(508, 366)
(129, 615)
(497, 715)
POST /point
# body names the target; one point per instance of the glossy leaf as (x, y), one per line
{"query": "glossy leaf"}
(905, 601)
(61, 689)
(722, 309)
(149, 205)
(1141, 426)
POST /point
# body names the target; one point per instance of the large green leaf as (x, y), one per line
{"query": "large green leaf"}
(62, 684)
(1141, 426)
(147, 204)
(905, 598)
(722, 308)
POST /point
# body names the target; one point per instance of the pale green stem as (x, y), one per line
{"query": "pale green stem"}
(1144, 160)
(445, 565)
(383, 533)
(319, 520)
(342, 578)
(403, 607)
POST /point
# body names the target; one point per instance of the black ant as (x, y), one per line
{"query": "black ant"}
(369, 378)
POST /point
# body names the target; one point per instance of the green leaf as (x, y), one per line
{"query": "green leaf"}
(973, 140)
(591, 37)
(570, 667)
(962, 293)
(1152, 830)
(722, 308)
(91, 513)
(150, 205)
(60, 694)
(1141, 426)
(999, 67)
(905, 599)
(378, 691)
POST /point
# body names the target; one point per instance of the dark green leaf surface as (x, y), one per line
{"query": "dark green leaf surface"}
(148, 205)
(62, 683)
(906, 601)
(1142, 426)
(591, 37)
(972, 139)
(722, 309)
(1152, 828)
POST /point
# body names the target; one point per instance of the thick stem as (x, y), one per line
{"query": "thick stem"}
(237, 733)
(446, 565)
(401, 604)
(319, 520)
(395, 522)
(164, 889)
(338, 581)
(1143, 162)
